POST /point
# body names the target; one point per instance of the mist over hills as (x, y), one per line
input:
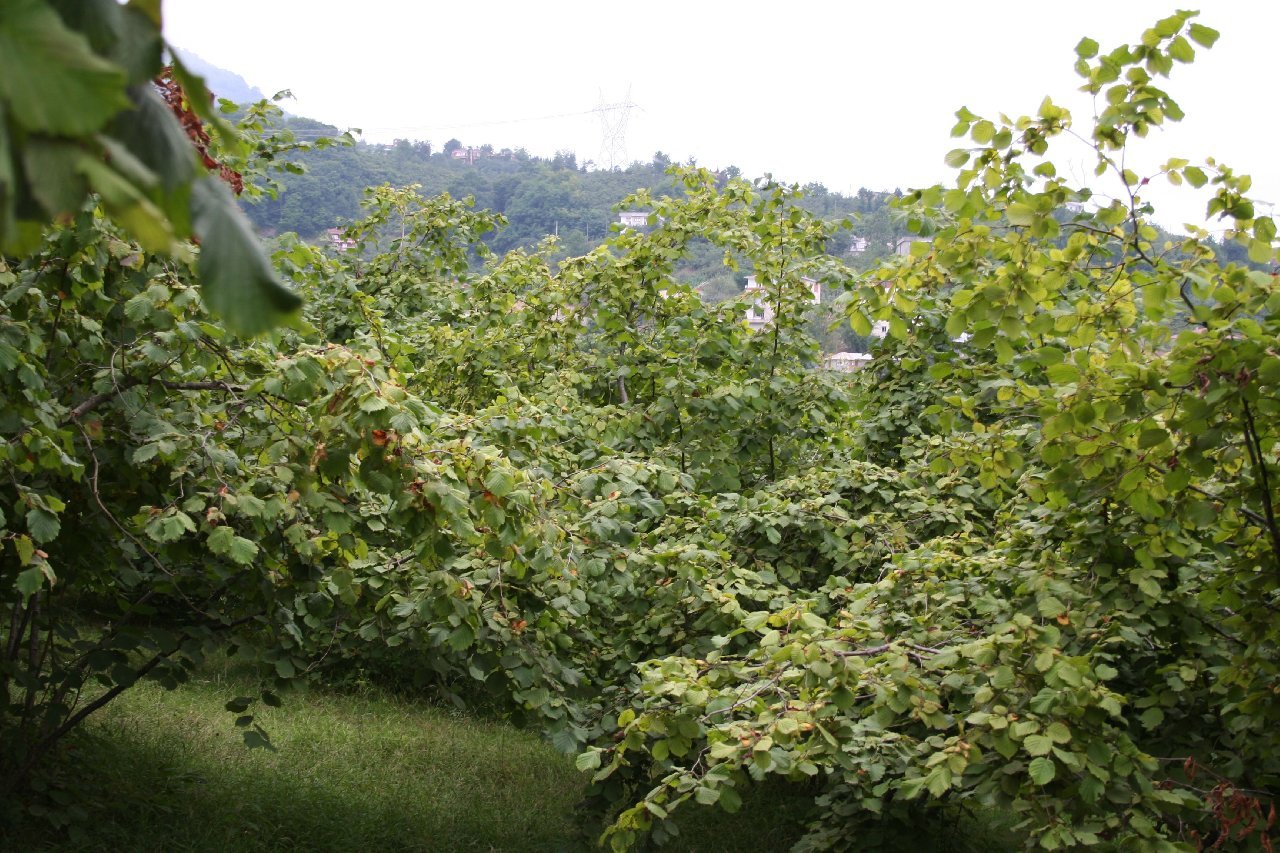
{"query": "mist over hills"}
(223, 83)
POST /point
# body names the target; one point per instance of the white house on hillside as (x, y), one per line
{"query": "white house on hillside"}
(846, 362)
(339, 241)
(633, 218)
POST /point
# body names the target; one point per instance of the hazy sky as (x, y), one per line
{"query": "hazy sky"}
(845, 93)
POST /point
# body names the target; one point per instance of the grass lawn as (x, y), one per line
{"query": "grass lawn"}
(365, 772)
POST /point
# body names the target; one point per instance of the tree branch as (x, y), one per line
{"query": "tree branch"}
(96, 400)
(1255, 454)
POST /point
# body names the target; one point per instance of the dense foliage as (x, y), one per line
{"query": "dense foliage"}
(1027, 561)
(87, 106)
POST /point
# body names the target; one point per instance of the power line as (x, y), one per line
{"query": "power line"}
(614, 131)
(613, 124)
(492, 123)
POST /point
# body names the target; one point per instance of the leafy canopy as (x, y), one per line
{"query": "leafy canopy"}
(1026, 563)
(79, 115)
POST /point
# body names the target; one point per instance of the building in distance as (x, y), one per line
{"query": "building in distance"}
(846, 362)
(338, 240)
(633, 218)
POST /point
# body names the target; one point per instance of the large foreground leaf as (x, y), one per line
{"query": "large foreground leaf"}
(239, 284)
(50, 78)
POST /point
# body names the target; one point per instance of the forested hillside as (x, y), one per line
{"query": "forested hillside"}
(558, 196)
(537, 196)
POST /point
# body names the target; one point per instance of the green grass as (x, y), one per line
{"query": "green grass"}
(167, 771)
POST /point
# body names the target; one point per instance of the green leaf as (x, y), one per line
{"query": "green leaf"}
(223, 542)
(500, 482)
(957, 157)
(1049, 607)
(53, 172)
(169, 528)
(859, 323)
(251, 506)
(911, 788)
(26, 549)
(1152, 437)
(588, 761)
(124, 35)
(461, 638)
(1086, 48)
(129, 206)
(151, 133)
(150, 8)
(1058, 733)
(1042, 770)
(1020, 214)
(50, 77)
(242, 550)
(146, 451)
(239, 284)
(1195, 176)
(939, 781)
(655, 809)
(1181, 50)
(1063, 374)
(1261, 252)
(1037, 745)
(1202, 35)
(1067, 673)
(43, 525)
(29, 582)
(373, 403)
(730, 801)
(707, 796)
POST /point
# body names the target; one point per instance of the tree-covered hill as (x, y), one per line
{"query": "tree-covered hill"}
(538, 196)
(557, 196)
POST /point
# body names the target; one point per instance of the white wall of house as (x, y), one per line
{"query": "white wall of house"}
(633, 218)
(846, 362)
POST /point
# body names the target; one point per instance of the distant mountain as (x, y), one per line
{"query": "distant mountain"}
(223, 83)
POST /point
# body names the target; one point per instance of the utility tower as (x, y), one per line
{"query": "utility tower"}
(613, 124)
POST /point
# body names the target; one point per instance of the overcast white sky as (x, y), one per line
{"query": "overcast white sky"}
(845, 93)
